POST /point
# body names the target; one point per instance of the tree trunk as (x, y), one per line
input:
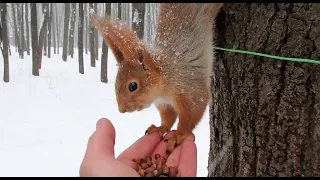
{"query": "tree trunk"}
(27, 28)
(45, 38)
(80, 39)
(269, 108)
(65, 31)
(104, 55)
(16, 29)
(91, 39)
(119, 11)
(57, 35)
(86, 26)
(96, 45)
(21, 18)
(138, 18)
(5, 42)
(53, 29)
(49, 30)
(71, 35)
(34, 39)
(43, 31)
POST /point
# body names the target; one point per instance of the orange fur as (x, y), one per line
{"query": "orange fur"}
(174, 72)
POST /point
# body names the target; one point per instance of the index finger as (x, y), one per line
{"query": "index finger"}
(140, 149)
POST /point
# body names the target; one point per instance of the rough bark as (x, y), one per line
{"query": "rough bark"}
(104, 54)
(91, 41)
(139, 25)
(65, 31)
(27, 28)
(71, 35)
(269, 108)
(34, 39)
(49, 30)
(80, 39)
(5, 42)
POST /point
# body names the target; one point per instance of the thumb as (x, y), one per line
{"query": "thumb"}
(101, 142)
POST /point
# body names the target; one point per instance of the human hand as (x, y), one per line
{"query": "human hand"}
(99, 157)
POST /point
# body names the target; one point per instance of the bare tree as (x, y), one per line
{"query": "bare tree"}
(96, 34)
(27, 28)
(34, 39)
(57, 22)
(45, 38)
(65, 31)
(104, 55)
(268, 108)
(16, 29)
(80, 38)
(86, 27)
(72, 27)
(5, 42)
(53, 28)
(138, 18)
(119, 11)
(49, 29)
(91, 39)
(43, 31)
(21, 24)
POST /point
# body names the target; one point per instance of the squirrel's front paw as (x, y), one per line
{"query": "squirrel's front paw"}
(174, 141)
(161, 130)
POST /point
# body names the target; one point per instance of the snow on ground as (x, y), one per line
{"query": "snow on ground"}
(45, 121)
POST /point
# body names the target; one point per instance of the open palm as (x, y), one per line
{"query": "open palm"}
(99, 158)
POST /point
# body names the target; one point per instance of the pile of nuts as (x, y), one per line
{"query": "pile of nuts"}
(154, 167)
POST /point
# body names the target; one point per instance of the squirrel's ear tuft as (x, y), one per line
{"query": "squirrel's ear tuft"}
(120, 39)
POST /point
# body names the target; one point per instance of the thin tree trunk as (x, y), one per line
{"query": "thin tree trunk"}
(65, 31)
(16, 29)
(91, 39)
(72, 27)
(96, 45)
(43, 31)
(119, 11)
(104, 55)
(269, 108)
(5, 42)
(86, 27)
(58, 28)
(27, 28)
(53, 29)
(138, 10)
(21, 17)
(80, 38)
(34, 39)
(45, 38)
(49, 29)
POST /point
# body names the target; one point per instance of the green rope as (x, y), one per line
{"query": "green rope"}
(270, 56)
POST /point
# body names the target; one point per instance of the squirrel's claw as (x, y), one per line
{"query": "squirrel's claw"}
(174, 141)
(161, 130)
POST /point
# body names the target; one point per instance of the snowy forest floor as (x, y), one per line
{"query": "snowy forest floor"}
(46, 121)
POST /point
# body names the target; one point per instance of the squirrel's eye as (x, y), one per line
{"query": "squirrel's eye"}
(133, 86)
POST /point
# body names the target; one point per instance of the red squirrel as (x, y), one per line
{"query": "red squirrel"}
(173, 72)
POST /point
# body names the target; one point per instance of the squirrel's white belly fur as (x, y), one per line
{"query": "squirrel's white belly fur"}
(162, 101)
